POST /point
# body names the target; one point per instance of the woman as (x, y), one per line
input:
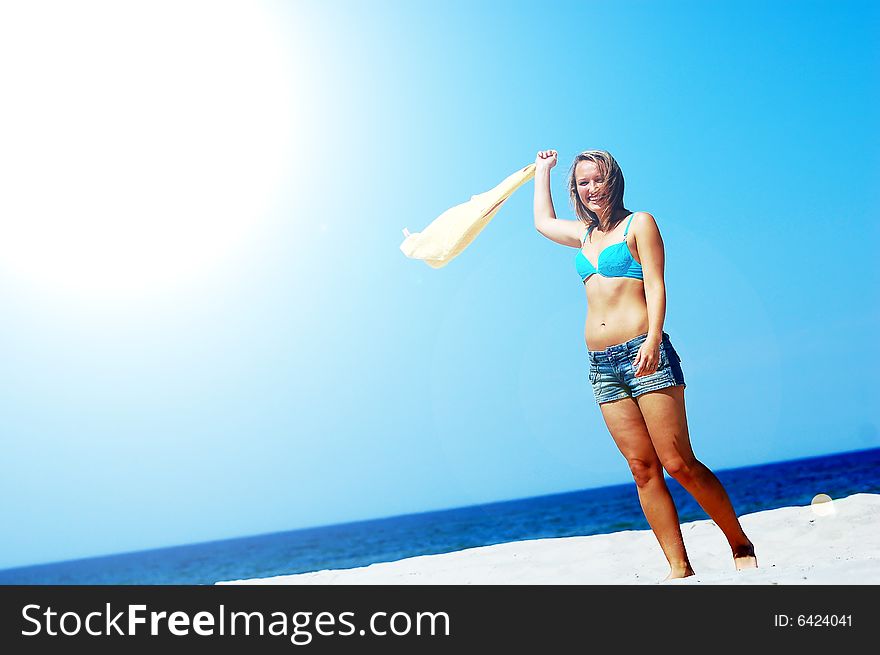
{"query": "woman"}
(634, 370)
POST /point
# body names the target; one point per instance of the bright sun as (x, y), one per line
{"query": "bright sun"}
(141, 142)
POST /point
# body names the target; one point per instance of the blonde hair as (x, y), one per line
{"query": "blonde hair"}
(612, 188)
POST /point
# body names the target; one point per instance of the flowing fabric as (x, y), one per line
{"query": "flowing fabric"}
(446, 237)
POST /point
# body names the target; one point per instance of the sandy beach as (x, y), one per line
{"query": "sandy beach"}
(836, 542)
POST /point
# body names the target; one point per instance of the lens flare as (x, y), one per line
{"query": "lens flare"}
(143, 143)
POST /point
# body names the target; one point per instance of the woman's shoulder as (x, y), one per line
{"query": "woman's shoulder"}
(640, 218)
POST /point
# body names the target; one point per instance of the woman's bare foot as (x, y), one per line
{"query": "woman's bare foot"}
(676, 572)
(744, 557)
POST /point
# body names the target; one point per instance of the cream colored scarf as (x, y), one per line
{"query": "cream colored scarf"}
(454, 230)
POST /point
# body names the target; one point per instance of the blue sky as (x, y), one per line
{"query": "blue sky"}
(307, 373)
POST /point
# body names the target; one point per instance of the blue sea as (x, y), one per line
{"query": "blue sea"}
(592, 511)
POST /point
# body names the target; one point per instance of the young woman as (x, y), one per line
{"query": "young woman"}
(634, 370)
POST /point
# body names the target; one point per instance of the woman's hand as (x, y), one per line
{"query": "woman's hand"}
(648, 358)
(545, 160)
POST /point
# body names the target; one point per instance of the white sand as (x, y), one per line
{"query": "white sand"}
(832, 543)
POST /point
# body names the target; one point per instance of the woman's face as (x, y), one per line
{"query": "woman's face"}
(590, 185)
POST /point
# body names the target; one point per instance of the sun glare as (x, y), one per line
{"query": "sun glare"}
(141, 142)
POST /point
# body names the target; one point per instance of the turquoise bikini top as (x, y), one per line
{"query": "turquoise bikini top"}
(614, 261)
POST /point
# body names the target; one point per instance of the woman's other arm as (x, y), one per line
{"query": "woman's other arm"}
(649, 245)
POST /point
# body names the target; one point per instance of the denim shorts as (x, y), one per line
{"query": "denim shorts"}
(613, 374)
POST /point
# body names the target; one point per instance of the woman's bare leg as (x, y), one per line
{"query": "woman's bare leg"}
(628, 429)
(664, 414)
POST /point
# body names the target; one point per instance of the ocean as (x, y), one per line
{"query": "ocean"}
(349, 545)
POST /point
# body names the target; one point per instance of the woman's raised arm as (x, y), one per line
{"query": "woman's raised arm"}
(568, 233)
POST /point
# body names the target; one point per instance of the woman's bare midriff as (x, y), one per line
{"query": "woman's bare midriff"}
(616, 311)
